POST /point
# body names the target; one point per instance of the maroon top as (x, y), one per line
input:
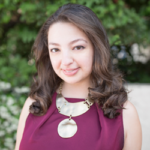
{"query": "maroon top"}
(95, 131)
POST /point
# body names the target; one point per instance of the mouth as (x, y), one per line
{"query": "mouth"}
(70, 71)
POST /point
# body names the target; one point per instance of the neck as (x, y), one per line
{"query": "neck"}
(76, 90)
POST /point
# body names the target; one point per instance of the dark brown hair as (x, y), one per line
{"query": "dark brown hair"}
(109, 92)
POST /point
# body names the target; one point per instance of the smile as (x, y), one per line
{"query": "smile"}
(70, 72)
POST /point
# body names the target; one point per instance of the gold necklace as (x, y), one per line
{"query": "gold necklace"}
(68, 127)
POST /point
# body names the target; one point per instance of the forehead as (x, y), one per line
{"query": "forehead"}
(64, 31)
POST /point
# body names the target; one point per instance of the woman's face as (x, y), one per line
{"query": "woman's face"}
(71, 52)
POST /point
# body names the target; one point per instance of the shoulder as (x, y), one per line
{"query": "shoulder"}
(25, 109)
(130, 114)
(22, 119)
(132, 127)
(28, 102)
(129, 110)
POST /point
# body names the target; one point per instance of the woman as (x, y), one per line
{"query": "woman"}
(77, 99)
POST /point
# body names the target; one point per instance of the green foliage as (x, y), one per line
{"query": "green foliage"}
(132, 70)
(16, 70)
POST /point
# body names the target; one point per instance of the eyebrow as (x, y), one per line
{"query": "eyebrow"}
(51, 43)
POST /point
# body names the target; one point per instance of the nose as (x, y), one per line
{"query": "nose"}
(67, 59)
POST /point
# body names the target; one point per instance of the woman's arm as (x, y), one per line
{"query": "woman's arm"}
(132, 128)
(22, 120)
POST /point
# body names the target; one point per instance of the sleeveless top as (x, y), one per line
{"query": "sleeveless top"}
(95, 131)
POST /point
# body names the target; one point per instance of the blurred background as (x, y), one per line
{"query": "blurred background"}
(127, 23)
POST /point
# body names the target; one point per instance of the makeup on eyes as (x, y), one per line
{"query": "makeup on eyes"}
(74, 42)
(78, 46)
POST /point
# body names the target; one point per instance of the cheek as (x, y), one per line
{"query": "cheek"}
(55, 63)
(86, 62)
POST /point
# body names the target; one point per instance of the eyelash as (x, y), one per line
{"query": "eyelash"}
(74, 47)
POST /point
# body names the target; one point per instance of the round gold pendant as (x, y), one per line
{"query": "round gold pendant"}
(67, 128)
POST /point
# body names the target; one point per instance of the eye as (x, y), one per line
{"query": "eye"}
(79, 47)
(54, 50)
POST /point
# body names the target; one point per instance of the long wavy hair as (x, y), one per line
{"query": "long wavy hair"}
(109, 91)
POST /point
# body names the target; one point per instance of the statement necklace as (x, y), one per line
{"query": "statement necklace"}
(68, 127)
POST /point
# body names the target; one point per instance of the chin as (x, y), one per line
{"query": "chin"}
(72, 81)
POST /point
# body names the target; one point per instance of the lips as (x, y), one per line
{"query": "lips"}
(70, 71)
